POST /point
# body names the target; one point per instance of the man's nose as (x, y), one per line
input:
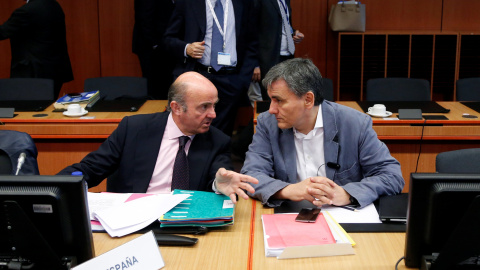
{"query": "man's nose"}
(273, 108)
(211, 113)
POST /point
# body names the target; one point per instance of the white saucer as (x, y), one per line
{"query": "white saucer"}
(66, 113)
(387, 114)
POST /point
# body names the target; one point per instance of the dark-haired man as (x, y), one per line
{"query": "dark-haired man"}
(307, 148)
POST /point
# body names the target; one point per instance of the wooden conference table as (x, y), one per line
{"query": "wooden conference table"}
(404, 137)
(241, 247)
(62, 140)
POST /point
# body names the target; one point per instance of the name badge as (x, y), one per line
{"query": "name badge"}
(223, 59)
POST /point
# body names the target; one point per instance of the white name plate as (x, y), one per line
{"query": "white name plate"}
(140, 253)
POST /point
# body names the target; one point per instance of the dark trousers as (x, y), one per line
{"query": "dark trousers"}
(230, 91)
(157, 68)
(264, 72)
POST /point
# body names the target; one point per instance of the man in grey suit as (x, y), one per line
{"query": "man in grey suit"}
(38, 42)
(307, 148)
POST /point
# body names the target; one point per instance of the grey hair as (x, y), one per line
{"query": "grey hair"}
(301, 76)
(177, 93)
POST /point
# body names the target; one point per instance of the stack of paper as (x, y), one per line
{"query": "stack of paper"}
(201, 209)
(285, 238)
(132, 215)
(84, 99)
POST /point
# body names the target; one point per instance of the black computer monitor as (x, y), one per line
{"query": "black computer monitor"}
(443, 218)
(44, 221)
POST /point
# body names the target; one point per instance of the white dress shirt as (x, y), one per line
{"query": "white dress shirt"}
(231, 38)
(310, 151)
(161, 181)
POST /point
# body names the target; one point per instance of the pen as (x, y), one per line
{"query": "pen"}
(351, 208)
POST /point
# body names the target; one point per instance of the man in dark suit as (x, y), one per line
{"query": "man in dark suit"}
(38, 42)
(151, 20)
(140, 153)
(190, 36)
(273, 35)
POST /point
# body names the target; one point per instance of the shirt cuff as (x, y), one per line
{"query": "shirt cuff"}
(214, 187)
(185, 53)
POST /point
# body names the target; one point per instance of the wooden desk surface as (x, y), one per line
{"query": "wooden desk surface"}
(226, 248)
(455, 128)
(241, 247)
(58, 126)
(372, 251)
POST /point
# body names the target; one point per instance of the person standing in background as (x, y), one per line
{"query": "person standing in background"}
(38, 42)
(276, 44)
(151, 20)
(218, 39)
(276, 36)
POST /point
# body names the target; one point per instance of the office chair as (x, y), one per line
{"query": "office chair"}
(12, 144)
(458, 161)
(5, 163)
(26, 89)
(328, 89)
(398, 89)
(468, 89)
(112, 88)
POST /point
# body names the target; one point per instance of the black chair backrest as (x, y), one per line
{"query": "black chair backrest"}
(112, 88)
(328, 89)
(458, 161)
(398, 89)
(5, 163)
(468, 89)
(13, 143)
(26, 89)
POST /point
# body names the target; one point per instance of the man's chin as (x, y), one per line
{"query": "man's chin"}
(204, 128)
(283, 126)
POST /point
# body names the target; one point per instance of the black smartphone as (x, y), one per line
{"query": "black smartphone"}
(308, 215)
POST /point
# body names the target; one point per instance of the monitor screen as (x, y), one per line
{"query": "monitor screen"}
(44, 222)
(439, 208)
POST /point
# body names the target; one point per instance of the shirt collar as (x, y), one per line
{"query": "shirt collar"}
(172, 131)
(318, 125)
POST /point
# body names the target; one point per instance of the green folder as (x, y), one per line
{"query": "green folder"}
(201, 209)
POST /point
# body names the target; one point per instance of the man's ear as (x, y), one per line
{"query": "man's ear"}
(176, 108)
(309, 99)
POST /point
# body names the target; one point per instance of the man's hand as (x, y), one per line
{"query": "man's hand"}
(317, 190)
(298, 37)
(325, 191)
(196, 49)
(256, 75)
(231, 183)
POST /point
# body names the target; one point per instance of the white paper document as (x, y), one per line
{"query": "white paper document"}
(368, 214)
(100, 201)
(131, 216)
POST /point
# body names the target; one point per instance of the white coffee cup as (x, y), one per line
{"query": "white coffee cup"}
(74, 109)
(378, 109)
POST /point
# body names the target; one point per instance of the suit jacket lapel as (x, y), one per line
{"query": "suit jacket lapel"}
(276, 7)
(287, 146)
(146, 152)
(331, 144)
(199, 9)
(197, 157)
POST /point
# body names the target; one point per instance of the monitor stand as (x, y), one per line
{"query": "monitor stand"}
(28, 242)
(462, 249)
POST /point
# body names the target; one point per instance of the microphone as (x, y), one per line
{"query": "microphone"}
(332, 165)
(21, 160)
